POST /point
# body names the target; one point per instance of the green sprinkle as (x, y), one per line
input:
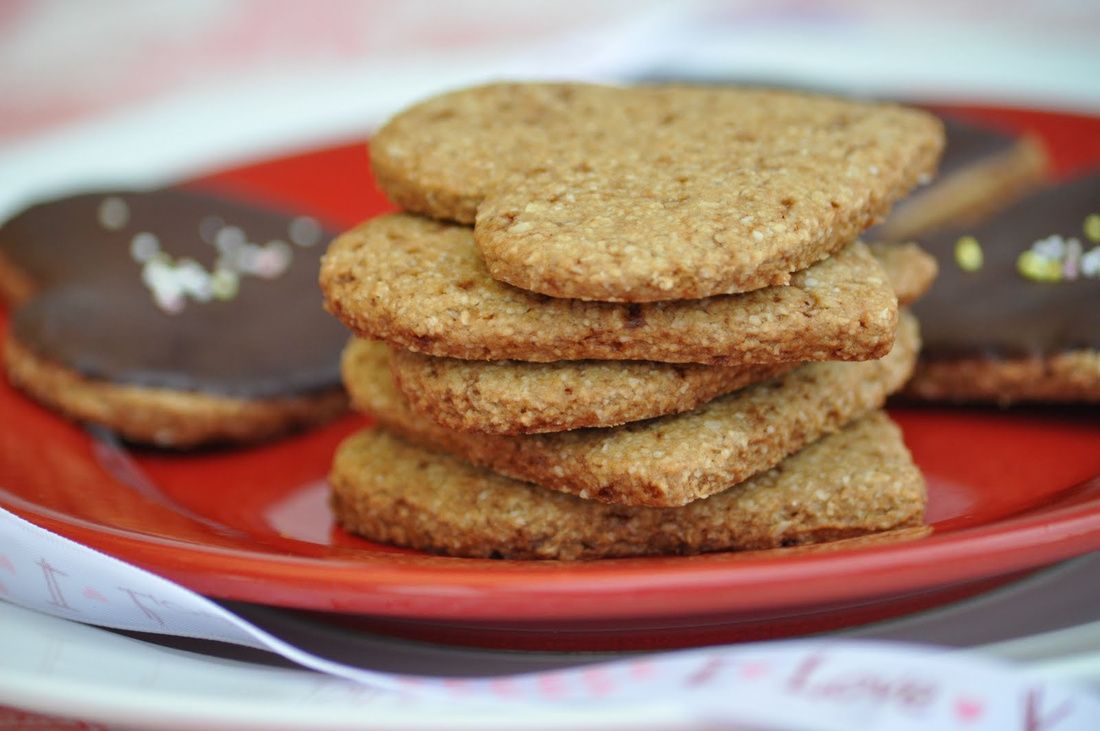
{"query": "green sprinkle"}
(1038, 268)
(224, 284)
(1092, 227)
(968, 254)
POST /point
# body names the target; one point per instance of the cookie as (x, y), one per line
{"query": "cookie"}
(860, 480)
(652, 193)
(421, 285)
(169, 314)
(662, 462)
(1023, 324)
(514, 397)
(165, 417)
(982, 170)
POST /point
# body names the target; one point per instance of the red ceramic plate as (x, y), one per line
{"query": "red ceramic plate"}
(1009, 491)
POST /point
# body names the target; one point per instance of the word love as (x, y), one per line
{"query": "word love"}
(918, 695)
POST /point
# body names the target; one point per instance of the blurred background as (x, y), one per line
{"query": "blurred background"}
(137, 92)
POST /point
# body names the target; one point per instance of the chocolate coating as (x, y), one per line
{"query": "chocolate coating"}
(92, 313)
(996, 311)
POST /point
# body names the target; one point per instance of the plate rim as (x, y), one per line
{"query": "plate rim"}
(423, 587)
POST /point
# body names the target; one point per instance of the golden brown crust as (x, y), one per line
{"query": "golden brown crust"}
(1067, 377)
(16, 286)
(858, 481)
(516, 397)
(164, 417)
(421, 285)
(910, 269)
(653, 193)
(513, 397)
(661, 462)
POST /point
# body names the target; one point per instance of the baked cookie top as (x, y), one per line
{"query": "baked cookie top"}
(652, 193)
(517, 397)
(421, 284)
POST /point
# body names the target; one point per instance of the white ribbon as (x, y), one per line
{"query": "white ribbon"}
(816, 685)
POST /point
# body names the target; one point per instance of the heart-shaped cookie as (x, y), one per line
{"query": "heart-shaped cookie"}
(389, 490)
(420, 284)
(652, 193)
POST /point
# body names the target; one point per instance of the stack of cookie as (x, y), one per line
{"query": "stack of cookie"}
(630, 321)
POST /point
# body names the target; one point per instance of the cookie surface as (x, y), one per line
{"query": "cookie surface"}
(514, 397)
(661, 462)
(121, 290)
(860, 480)
(421, 285)
(652, 193)
(982, 170)
(996, 334)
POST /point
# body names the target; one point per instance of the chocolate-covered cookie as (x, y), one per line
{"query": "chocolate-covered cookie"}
(1015, 312)
(173, 317)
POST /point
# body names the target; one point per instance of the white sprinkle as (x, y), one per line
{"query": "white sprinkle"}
(209, 227)
(305, 231)
(158, 276)
(520, 227)
(247, 259)
(1090, 263)
(229, 238)
(873, 169)
(113, 213)
(194, 280)
(273, 259)
(144, 246)
(1052, 247)
(758, 235)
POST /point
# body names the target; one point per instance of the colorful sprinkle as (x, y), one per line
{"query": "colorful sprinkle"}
(224, 284)
(1052, 247)
(273, 260)
(1039, 268)
(1090, 263)
(1092, 227)
(173, 282)
(144, 246)
(305, 231)
(113, 213)
(209, 227)
(229, 238)
(1071, 263)
(158, 275)
(968, 254)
